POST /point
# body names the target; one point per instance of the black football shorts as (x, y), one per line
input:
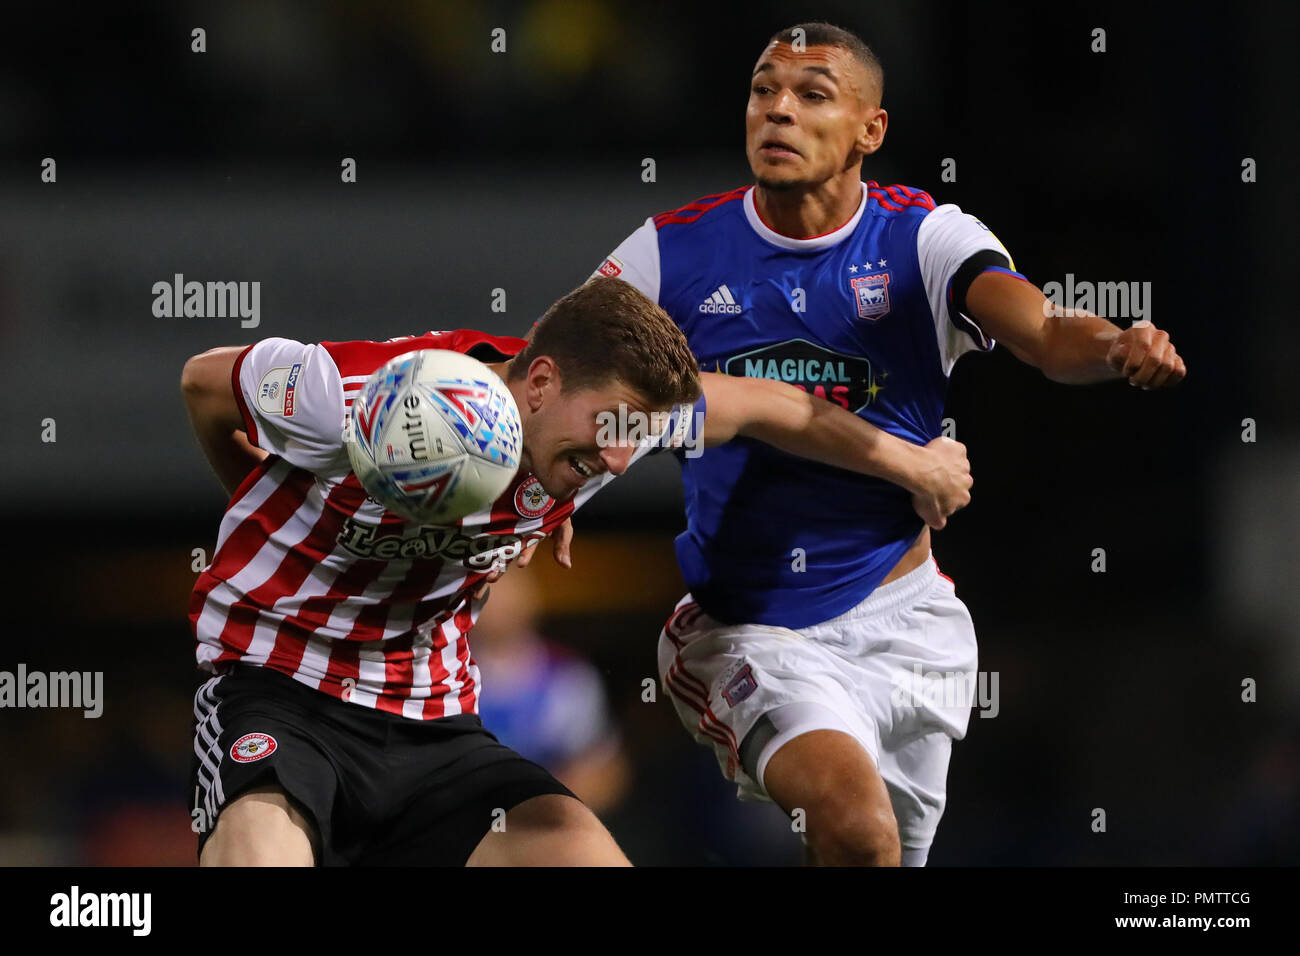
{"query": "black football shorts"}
(379, 789)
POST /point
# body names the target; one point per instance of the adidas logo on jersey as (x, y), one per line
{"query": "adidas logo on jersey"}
(720, 302)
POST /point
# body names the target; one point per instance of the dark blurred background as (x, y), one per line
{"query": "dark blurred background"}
(520, 170)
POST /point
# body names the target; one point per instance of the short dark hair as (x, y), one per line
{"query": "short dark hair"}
(821, 33)
(606, 330)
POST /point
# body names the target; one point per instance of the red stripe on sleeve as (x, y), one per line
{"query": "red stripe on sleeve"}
(250, 426)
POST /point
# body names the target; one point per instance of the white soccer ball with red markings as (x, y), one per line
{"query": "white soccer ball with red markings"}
(434, 436)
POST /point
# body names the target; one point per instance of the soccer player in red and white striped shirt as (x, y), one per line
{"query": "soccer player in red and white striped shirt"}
(340, 725)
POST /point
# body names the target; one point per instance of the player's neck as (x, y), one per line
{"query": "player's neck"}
(518, 389)
(804, 213)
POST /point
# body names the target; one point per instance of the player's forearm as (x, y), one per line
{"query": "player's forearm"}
(214, 416)
(1076, 349)
(1069, 348)
(229, 453)
(801, 424)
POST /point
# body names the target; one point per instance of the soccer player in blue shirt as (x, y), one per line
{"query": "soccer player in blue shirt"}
(820, 652)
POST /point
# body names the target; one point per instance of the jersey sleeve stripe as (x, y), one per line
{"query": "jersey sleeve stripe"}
(916, 195)
(883, 200)
(898, 198)
(694, 210)
(1007, 272)
(250, 426)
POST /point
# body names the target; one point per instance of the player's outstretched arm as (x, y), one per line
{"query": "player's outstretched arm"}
(214, 414)
(1076, 347)
(788, 418)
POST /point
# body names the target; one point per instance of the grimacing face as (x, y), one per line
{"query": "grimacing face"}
(808, 113)
(560, 436)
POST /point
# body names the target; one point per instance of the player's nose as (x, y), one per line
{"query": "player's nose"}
(782, 108)
(617, 458)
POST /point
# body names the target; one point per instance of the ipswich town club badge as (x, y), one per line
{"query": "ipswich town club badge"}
(531, 499)
(740, 686)
(872, 294)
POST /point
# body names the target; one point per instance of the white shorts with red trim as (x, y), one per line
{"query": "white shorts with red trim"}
(897, 673)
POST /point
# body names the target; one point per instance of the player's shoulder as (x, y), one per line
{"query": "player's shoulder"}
(898, 200)
(706, 209)
(361, 357)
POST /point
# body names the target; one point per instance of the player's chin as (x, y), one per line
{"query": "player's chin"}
(777, 178)
(559, 486)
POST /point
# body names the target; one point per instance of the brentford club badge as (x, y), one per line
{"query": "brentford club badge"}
(531, 499)
(871, 294)
(252, 747)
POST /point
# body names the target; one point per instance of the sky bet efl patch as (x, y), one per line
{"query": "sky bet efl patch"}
(275, 396)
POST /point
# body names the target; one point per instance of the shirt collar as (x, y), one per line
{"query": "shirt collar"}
(813, 244)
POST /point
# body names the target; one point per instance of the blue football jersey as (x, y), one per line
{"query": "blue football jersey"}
(859, 316)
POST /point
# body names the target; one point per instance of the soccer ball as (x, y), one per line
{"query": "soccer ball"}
(434, 436)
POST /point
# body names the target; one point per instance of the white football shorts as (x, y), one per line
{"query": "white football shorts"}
(897, 673)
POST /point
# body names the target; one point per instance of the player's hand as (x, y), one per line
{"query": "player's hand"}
(944, 482)
(527, 554)
(559, 548)
(481, 592)
(500, 568)
(560, 542)
(1144, 355)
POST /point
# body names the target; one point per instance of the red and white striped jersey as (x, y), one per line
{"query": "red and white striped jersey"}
(316, 580)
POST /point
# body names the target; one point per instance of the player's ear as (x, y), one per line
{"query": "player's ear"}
(872, 135)
(543, 377)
